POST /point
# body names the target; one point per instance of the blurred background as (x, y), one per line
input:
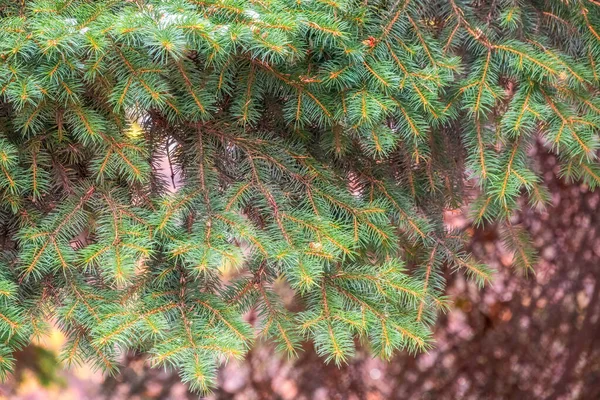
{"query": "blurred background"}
(535, 336)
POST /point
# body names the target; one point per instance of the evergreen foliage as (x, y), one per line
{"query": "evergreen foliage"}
(312, 143)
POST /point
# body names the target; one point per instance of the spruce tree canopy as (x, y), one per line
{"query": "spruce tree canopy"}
(316, 144)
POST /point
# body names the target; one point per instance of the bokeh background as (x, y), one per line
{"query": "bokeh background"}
(534, 336)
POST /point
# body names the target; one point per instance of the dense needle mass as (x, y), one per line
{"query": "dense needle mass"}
(315, 145)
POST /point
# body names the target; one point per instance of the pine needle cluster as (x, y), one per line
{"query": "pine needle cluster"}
(311, 144)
